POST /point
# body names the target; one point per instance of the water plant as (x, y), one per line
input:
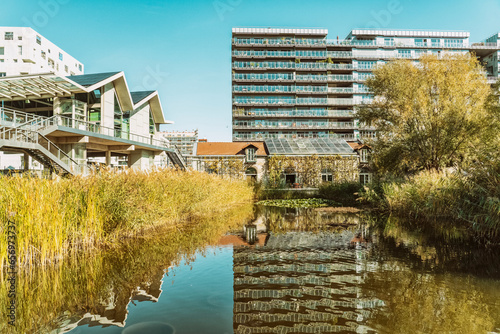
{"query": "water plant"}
(298, 203)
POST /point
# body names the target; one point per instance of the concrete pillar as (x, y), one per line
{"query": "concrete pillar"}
(26, 164)
(141, 159)
(108, 158)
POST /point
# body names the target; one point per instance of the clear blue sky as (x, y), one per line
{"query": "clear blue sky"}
(182, 48)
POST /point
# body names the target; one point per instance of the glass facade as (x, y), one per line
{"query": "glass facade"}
(308, 86)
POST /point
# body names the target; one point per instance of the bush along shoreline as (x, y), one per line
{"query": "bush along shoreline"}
(470, 200)
(48, 219)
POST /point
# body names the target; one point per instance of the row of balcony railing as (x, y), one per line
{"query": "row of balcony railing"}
(263, 136)
(297, 89)
(268, 125)
(279, 42)
(270, 65)
(259, 100)
(292, 113)
(298, 77)
(14, 118)
(396, 54)
(293, 54)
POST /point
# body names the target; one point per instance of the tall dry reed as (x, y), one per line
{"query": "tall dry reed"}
(55, 217)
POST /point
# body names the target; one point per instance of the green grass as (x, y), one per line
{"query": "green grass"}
(55, 217)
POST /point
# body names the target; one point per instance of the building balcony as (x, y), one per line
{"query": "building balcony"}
(290, 66)
(264, 136)
(253, 101)
(292, 54)
(290, 77)
(297, 113)
(322, 43)
(296, 126)
(292, 89)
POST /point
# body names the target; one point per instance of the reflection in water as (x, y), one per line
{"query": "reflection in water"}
(96, 289)
(305, 279)
(284, 271)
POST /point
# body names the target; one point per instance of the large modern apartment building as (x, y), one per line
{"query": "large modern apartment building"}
(297, 83)
(25, 51)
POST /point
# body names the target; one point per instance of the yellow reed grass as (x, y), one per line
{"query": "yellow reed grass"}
(55, 217)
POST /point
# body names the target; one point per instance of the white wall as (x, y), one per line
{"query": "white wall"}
(139, 120)
(31, 60)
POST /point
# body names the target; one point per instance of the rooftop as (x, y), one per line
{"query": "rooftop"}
(409, 33)
(308, 146)
(139, 96)
(87, 80)
(281, 31)
(228, 148)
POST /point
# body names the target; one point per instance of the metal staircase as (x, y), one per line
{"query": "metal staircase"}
(39, 148)
(177, 158)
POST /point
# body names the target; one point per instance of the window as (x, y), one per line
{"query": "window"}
(44, 55)
(38, 40)
(60, 56)
(151, 124)
(365, 178)
(389, 41)
(251, 174)
(3, 74)
(80, 67)
(420, 42)
(20, 38)
(250, 154)
(404, 53)
(20, 50)
(66, 68)
(363, 155)
(9, 36)
(453, 42)
(2, 51)
(326, 175)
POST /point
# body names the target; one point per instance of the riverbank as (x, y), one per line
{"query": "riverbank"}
(470, 200)
(48, 219)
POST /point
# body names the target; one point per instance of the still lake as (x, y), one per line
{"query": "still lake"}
(277, 270)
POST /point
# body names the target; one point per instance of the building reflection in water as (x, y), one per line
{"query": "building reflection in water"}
(305, 276)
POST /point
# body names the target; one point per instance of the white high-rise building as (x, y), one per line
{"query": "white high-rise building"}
(25, 51)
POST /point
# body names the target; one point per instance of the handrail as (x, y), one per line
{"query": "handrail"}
(15, 117)
(178, 152)
(34, 137)
(108, 131)
(40, 122)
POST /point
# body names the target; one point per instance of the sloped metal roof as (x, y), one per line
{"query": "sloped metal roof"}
(87, 80)
(139, 96)
(308, 146)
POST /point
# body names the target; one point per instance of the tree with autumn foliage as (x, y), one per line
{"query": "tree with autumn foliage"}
(429, 114)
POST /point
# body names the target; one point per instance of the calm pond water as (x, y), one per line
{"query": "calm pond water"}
(275, 271)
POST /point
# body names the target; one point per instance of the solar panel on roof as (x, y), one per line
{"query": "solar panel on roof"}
(308, 146)
(90, 79)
